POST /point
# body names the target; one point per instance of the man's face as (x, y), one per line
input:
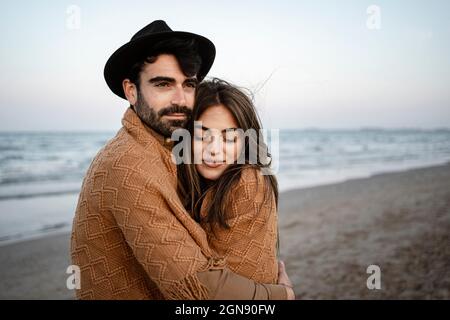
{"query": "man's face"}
(166, 96)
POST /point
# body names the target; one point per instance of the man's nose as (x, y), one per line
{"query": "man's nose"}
(179, 97)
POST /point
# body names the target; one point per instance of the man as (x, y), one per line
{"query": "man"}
(132, 238)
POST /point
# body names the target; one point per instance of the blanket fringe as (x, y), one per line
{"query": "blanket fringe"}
(191, 288)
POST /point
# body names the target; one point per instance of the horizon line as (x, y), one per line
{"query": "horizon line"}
(363, 128)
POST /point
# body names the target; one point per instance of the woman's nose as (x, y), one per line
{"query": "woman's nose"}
(215, 147)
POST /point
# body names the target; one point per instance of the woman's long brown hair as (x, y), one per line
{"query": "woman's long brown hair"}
(191, 186)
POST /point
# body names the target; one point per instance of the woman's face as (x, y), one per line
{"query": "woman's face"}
(216, 142)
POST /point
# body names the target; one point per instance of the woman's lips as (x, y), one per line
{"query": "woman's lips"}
(212, 164)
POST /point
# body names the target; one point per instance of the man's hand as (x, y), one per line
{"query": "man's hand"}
(284, 280)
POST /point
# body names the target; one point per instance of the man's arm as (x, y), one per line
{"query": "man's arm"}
(172, 248)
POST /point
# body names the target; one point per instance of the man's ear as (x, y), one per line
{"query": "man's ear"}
(130, 90)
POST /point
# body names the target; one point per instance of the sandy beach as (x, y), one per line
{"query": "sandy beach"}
(329, 236)
(398, 221)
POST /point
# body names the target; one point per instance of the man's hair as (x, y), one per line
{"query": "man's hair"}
(184, 50)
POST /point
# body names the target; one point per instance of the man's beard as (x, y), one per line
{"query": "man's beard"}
(154, 119)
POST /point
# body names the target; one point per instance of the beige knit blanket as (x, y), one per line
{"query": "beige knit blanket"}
(132, 238)
(249, 245)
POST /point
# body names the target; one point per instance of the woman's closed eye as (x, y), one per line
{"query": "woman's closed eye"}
(227, 137)
(205, 137)
(230, 136)
(232, 139)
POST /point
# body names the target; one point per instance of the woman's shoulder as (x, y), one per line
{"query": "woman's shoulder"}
(251, 174)
(252, 195)
(251, 184)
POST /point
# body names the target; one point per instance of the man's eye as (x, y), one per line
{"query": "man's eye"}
(162, 84)
(191, 85)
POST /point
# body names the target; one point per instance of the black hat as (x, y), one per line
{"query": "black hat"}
(118, 66)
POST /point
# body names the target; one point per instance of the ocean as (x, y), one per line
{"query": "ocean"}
(41, 172)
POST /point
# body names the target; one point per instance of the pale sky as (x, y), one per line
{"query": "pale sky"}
(331, 66)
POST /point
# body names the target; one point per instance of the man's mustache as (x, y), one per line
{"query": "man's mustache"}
(175, 109)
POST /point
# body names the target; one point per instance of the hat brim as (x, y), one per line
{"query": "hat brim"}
(118, 66)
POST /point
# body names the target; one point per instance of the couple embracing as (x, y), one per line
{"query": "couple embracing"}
(149, 227)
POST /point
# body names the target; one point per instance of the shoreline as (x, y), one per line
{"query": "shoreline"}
(329, 234)
(389, 170)
(33, 218)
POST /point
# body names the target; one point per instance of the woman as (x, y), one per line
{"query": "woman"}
(224, 188)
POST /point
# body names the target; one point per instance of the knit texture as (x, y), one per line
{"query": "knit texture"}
(249, 245)
(131, 237)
